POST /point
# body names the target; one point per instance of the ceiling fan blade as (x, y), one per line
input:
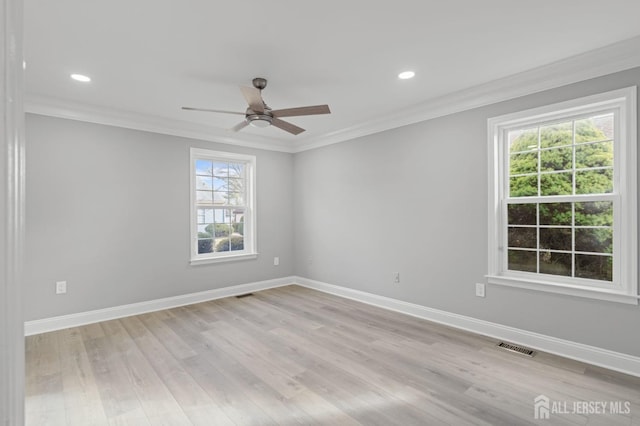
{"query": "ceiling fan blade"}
(254, 98)
(212, 110)
(287, 127)
(309, 110)
(239, 126)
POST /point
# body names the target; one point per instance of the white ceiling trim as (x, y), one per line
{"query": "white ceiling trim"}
(606, 60)
(131, 120)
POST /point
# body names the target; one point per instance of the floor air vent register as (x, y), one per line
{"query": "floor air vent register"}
(240, 296)
(517, 349)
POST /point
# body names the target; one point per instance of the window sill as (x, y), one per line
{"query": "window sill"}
(586, 292)
(230, 258)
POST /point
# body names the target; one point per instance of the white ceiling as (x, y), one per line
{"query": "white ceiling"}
(147, 58)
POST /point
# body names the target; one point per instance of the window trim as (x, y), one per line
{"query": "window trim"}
(250, 235)
(624, 102)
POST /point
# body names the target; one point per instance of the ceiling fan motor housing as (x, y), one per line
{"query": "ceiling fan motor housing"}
(259, 83)
(259, 120)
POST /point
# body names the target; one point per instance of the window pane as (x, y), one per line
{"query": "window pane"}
(205, 246)
(595, 128)
(594, 267)
(235, 185)
(204, 182)
(235, 199)
(205, 215)
(236, 215)
(556, 135)
(203, 167)
(523, 186)
(523, 140)
(237, 222)
(556, 184)
(556, 159)
(219, 184)
(236, 170)
(219, 230)
(220, 169)
(555, 214)
(594, 155)
(222, 244)
(204, 196)
(596, 213)
(522, 237)
(599, 240)
(523, 163)
(220, 216)
(223, 231)
(555, 263)
(555, 238)
(237, 242)
(523, 260)
(594, 181)
(220, 198)
(522, 214)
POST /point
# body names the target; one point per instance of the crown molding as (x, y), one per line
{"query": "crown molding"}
(131, 120)
(595, 63)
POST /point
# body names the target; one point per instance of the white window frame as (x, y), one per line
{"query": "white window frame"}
(624, 288)
(249, 231)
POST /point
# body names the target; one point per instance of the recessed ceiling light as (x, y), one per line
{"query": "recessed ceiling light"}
(406, 75)
(81, 78)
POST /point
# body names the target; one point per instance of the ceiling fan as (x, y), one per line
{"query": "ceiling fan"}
(258, 114)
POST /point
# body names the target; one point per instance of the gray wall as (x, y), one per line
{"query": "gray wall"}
(414, 200)
(108, 211)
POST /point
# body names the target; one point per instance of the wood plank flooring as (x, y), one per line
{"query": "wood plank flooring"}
(294, 356)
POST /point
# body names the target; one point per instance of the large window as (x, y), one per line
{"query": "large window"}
(222, 206)
(563, 184)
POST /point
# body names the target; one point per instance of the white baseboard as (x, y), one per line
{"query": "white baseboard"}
(590, 354)
(90, 317)
(617, 361)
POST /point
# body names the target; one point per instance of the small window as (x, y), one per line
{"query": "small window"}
(563, 198)
(222, 206)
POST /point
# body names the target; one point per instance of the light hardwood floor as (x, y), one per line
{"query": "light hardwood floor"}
(296, 356)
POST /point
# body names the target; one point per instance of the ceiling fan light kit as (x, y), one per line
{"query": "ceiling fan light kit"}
(258, 114)
(259, 120)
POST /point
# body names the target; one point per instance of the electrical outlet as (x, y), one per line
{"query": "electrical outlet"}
(61, 287)
(479, 289)
(276, 261)
(396, 277)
